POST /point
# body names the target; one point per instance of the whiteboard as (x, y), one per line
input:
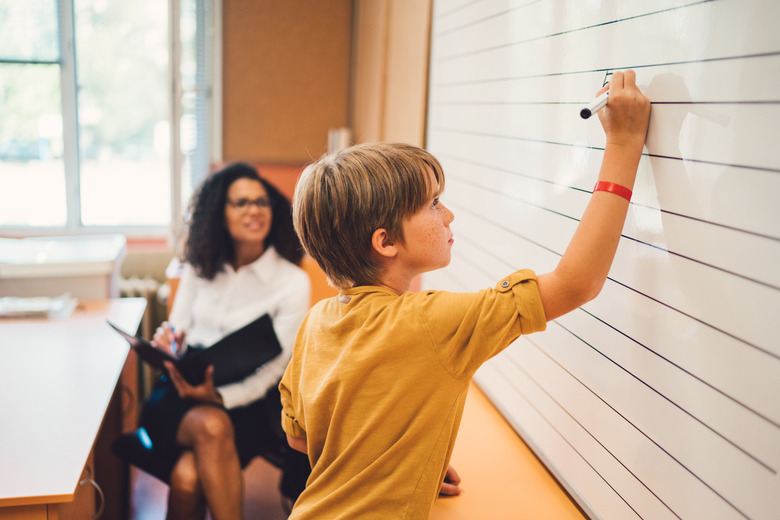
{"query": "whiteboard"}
(660, 398)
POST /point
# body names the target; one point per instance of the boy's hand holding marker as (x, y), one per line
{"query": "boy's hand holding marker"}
(626, 114)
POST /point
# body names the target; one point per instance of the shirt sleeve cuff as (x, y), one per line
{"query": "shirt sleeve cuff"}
(530, 310)
(291, 426)
(230, 397)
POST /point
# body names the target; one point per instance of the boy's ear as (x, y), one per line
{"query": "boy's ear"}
(383, 244)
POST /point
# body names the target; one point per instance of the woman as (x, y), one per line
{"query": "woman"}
(242, 259)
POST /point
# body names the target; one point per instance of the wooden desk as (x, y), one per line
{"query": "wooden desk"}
(57, 377)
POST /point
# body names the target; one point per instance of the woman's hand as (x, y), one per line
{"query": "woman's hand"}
(205, 392)
(451, 480)
(166, 339)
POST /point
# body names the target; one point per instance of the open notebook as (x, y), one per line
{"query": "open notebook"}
(234, 357)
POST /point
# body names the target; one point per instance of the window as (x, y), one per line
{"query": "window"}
(90, 110)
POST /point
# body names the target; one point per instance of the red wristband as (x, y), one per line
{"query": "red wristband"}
(611, 187)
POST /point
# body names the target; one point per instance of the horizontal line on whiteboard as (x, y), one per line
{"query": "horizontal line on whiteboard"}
(700, 262)
(472, 23)
(497, 367)
(748, 102)
(670, 401)
(522, 201)
(32, 61)
(699, 320)
(553, 183)
(697, 477)
(691, 374)
(668, 306)
(561, 33)
(499, 168)
(459, 8)
(507, 229)
(543, 141)
(714, 163)
(643, 242)
(547, 181)
(590, 71)
(578, 103)
(704, 221)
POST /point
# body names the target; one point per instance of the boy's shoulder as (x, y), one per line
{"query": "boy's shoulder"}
(369, 303)
(375, 300)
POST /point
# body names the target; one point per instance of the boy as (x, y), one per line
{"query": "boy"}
(378, 378)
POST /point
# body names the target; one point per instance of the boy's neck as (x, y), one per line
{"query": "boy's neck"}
(397, 280)
(399, 290)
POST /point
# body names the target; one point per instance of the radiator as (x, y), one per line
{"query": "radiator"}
(147, 288)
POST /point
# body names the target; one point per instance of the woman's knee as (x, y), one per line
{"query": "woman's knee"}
(184, 476)
(207, 424)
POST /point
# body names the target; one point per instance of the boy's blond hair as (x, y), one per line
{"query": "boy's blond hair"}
(341, 199)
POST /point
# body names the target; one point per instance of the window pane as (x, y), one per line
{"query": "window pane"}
(122, 64)
(196, 96)
(32, 174)
(28, 30)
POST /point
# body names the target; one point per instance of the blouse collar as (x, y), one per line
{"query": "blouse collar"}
(264, 267)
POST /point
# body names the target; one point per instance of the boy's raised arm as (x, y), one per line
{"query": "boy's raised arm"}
(584, 266)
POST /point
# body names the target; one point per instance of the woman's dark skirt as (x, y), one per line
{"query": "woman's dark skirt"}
(257, 428)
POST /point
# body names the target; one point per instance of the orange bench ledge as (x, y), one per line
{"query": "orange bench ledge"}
(501, 478)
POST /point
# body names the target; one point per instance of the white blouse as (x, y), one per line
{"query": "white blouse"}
(207, 310)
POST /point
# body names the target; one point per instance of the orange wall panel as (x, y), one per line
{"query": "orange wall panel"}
(286, 69)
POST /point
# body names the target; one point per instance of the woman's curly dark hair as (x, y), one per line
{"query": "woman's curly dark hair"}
(209, 244)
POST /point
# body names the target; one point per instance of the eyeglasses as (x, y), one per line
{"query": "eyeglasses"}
(243, 205)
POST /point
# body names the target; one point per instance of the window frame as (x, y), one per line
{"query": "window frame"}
(212, 32)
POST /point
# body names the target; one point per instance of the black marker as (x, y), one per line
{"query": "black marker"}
(595, 105)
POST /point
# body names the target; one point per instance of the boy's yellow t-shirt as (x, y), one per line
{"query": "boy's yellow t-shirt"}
(377, 384)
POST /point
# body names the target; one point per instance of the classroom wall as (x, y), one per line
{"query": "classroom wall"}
(390, 70)
(294, 70)
(659, 399)
(286, 69)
